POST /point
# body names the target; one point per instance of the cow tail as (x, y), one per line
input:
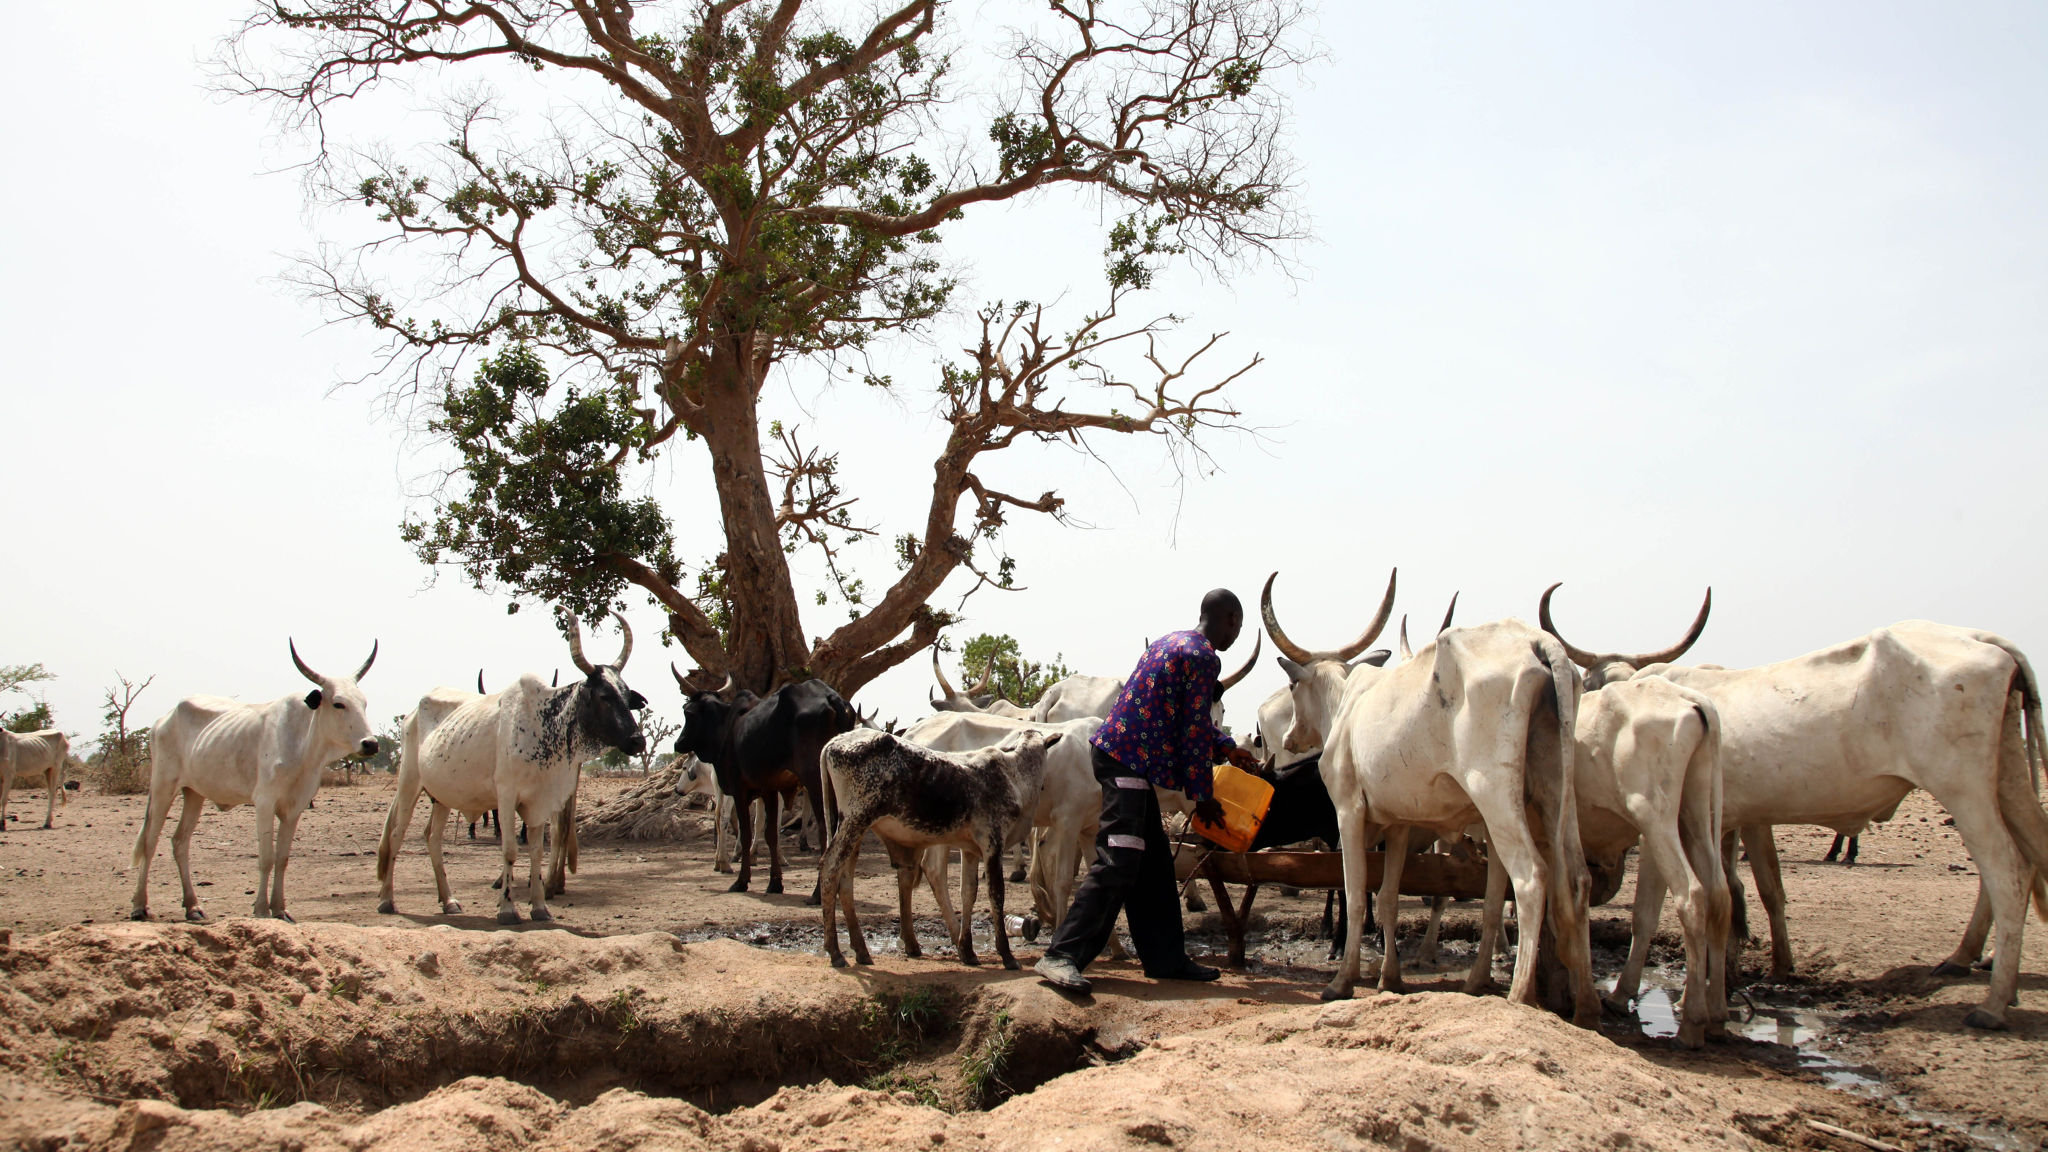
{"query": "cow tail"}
(1564, 823)
(2037, 754)
(825, 804)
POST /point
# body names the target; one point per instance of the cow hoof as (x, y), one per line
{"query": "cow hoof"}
(452, 908)
(1010, 963)
(839, 961)
(1691, 1038)
(864, 961)
(1031, 927)
(912, 952)
(774, 888)
(1983, 965)
(1979, 1018)
(738, 886)
(1329, 994)
(139, 914)
(508, 916)
(498, 885)
(1614, 1006)
(970, 959)
(387, 907)
(811, 901)
(1017, 875)
(195, 915)
(285, 916)
(1950, 968)
(540, 914)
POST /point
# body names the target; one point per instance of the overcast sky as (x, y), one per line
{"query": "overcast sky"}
(1638, 298)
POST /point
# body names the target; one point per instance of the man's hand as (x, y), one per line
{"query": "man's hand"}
(1245, 758)
(1209, 811)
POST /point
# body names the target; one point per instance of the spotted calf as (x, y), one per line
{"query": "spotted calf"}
(914, 799)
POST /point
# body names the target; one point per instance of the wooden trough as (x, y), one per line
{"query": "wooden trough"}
(1424, 874)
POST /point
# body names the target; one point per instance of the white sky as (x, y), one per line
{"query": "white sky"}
(1635, 298)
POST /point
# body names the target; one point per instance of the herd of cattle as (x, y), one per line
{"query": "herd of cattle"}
(1550, 754)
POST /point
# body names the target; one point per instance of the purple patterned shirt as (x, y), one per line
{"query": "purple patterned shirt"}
(1159, 726)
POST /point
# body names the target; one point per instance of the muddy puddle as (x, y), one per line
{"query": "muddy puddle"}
(1789, 1030)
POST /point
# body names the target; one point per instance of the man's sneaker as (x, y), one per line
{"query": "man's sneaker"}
(1061, 973)
(1188, 970)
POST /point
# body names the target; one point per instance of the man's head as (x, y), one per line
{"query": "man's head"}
(1222, 618)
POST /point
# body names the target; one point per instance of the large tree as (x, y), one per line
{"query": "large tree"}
(729, 188)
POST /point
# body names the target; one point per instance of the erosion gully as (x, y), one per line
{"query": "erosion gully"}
(1792, 1032)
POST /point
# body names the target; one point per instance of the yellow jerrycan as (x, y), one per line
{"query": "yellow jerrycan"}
(1244, 798)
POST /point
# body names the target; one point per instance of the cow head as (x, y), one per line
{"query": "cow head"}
(1319, 678)
(606, 709)
(1025, 751)
(975, 699)
(708, 716)
(1605, 668)
(341, 716)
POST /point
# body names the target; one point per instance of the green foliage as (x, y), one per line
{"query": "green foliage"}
(1018, 680)
(981, 1070)
(544, 508)
(34, 718)
(37, 716)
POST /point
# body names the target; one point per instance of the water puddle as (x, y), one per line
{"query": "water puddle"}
(1813, 1039)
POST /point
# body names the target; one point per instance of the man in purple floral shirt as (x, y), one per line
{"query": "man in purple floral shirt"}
(1160, 731)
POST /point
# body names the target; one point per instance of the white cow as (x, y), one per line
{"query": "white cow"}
(1839, 736)
(1476, 728)
(1077, 697)
(1063, 820)
(1649, 768)
(269, 755)
(26, 757)
(516, 752)
(955, 701)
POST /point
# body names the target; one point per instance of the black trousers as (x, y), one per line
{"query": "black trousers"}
(1133, 872)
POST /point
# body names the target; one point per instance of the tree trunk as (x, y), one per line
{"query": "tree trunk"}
(765, 643)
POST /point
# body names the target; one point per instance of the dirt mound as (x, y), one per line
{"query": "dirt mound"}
(648, 810)
(175, 1037)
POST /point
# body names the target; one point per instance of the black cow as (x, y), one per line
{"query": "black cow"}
(1302, 810)
(761, 747)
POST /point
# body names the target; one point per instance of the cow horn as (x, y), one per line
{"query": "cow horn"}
(1406, 651)
(1587, 659)
(1448, 613)
(728, 687)
(987, 675)
(308, 673)
(679, 677)
(480, 683)
(1300, 655)
(555, 681)
(365, 669)
(576, 646)
(1230, 681)
(940, 672)
(625, 650)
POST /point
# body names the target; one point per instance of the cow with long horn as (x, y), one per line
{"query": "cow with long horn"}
(519, 751)
(1604, 667)
(1838, 737)
(267, 755)
(952, 700)
(1476, 728)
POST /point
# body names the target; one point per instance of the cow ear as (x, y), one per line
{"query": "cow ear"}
(1054, 739)
(313, 699)
(1295, 672)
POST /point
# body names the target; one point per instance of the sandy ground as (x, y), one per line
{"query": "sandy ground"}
(1863, 936)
